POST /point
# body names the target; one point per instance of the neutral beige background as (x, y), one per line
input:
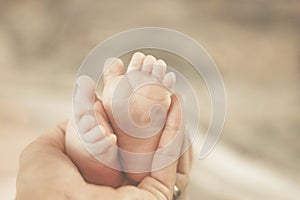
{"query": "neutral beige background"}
(254, 43)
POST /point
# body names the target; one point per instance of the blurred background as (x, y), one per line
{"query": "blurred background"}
(255, 43)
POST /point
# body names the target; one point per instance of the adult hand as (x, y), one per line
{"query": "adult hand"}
(46, 172)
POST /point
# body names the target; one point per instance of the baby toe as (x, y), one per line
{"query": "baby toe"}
(148, 63)
(86, 89)
(94, 135)
(99, 147)
(85, 96)
(169, 80)
(159, 69)
(136, 61)
(86, 123)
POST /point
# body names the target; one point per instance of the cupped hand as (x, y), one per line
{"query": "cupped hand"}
(46, 172)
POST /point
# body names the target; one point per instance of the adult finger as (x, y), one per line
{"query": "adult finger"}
(183, 169)
(165, 159)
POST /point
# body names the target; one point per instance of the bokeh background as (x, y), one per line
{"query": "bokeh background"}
(255, 43)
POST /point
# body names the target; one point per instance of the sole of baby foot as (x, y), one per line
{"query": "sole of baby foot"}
(141, 69)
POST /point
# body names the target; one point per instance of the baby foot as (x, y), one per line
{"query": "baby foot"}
(87, 142)
(143, 85)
